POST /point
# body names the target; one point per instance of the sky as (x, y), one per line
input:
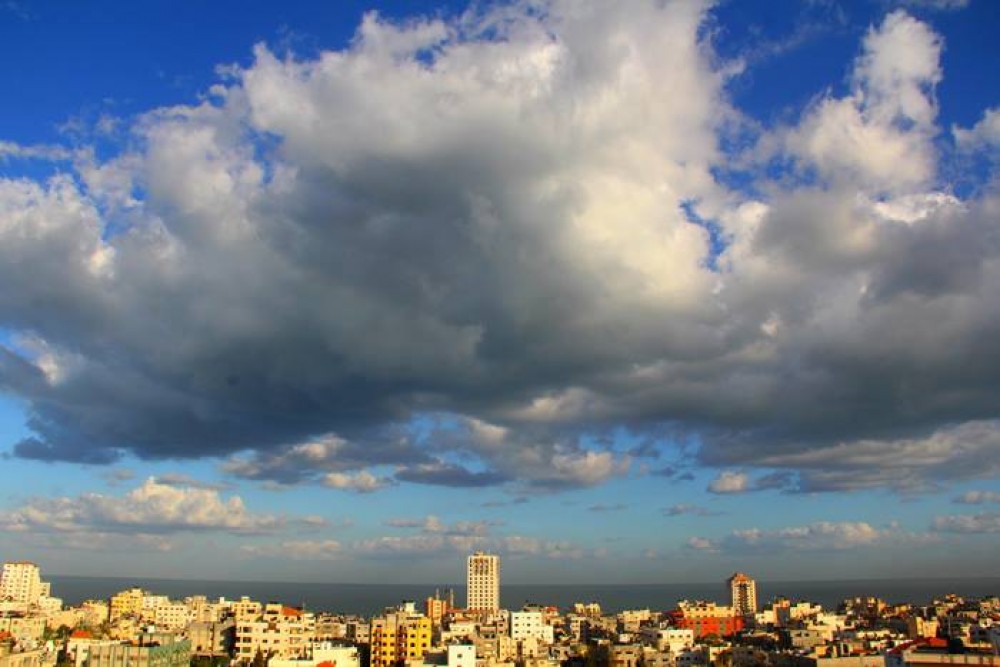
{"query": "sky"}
(643, 291)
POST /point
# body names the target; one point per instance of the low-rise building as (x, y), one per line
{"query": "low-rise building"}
(322, 654)
(212, 638)
(175, 653)
(706, 618)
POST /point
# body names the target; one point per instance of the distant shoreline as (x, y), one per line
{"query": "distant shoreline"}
(759, 581)
(367, 599)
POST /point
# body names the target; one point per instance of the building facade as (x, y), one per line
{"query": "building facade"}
(399, 637)
(744, 594)
(21, 581)
(483, 582)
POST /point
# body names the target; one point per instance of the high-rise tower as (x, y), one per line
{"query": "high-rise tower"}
(483, 582)
(21, 582)
(744, 592)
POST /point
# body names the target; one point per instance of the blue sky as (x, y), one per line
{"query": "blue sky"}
(626, 292)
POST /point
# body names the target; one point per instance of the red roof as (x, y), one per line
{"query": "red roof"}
(932, 642)
(81, 634)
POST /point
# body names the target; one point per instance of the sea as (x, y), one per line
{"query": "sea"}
(371, 599)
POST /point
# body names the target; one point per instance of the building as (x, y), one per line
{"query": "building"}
(672, 640)
(705, 618)
(175, 653)
(461, 655)
(483, 582)
(436, 608)
(400, 636)
(322, 654)
(21, 582)
(126, 604)
(212, 638)
(744, 594)
(279, 632)
(526, 625)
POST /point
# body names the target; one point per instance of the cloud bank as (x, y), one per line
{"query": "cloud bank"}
(513, 223)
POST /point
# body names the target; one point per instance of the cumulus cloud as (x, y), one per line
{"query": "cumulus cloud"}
(511, 221)
(328, 454)
(361, 482)
(881, 134)
(984, 134)
(730, 482)
(539, 459)
(152, 507)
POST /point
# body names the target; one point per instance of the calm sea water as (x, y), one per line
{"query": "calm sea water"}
(369, 599)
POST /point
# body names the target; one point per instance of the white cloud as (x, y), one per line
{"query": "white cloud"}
(730, 481)
(361, 482)
(539, 461)
(881, 135)
(151, 508)
(984, 134)
(9, 149)
(700, 544)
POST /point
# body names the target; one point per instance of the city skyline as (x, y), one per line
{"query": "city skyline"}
(621, 292)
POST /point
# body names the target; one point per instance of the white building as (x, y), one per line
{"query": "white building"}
(279, 632)
(318, 653)
(461, 655)
(483, 582)
(669, 639)
(21, 582)
(525, 625)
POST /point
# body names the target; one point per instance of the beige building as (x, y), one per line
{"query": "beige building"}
(743, 590)
(172, 616)
(244, 609)
(279, 632)
(126, 604)
(212, 638)
(35, 658)
(23, 626)
(483, 582)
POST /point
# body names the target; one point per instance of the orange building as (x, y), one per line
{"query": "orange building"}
(706, 618)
